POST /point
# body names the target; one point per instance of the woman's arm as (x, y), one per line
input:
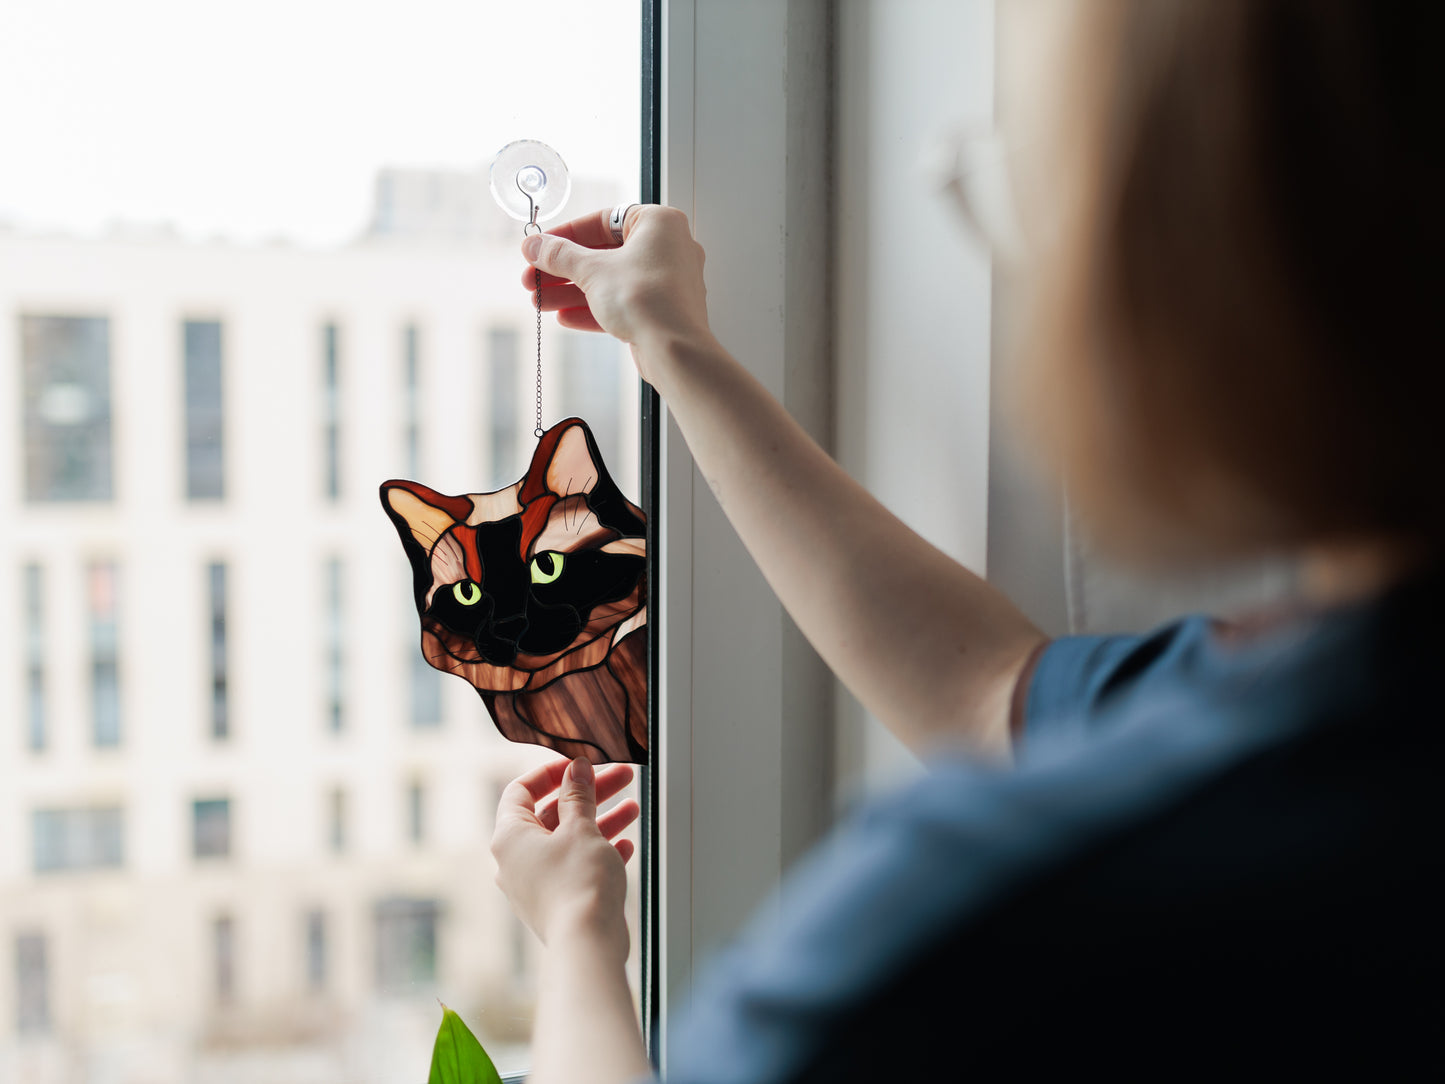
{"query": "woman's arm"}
(567, 882)
(926, 645)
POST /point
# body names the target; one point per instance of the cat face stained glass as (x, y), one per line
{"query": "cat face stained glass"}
(537, 595)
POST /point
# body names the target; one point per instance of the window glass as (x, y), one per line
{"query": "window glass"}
(205, 415)
(223, 959)
(334, 579)
(211, 828)
(412, 393)
(406, 944)
(32, 984)
(78, 839)
(331, 411)
(504, 407)
(101, 607)
(216, 592)
(251, 841)
(336, 821)
(416, 813)
(34, 595)
(426, 688)
(316, 951)
(65, 361)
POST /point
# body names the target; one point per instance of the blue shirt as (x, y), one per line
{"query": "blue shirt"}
(1210, 857)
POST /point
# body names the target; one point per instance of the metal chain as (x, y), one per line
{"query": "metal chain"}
(538, 432)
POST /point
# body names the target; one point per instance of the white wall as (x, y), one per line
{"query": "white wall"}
(912, 297)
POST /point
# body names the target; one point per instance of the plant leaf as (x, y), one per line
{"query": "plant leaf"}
(457, 1057)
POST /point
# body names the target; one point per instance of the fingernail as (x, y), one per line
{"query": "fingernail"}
(582, 770)
(532, 246)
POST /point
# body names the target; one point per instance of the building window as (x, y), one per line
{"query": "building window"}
(32, 984)
(316, 951)
(205, 418)
(589, 387)
(78, 839)
(426, 690)
(336, 818)
(101, 601)
(335, 646)
(501, 408)
(34, 592)
(331, 412)
(211, 828)
(411, 432)
(216, 592)
(223, 959)
(66, 391)
(406, 944)
(416, 812)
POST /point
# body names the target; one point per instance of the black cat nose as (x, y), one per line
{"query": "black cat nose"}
(510, 628)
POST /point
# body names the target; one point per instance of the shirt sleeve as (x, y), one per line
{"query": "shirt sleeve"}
(1077, 678)
(786, 995)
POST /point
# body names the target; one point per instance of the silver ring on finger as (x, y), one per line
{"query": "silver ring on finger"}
(618, 219)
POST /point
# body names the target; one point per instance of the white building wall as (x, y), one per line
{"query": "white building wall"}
(131, 969)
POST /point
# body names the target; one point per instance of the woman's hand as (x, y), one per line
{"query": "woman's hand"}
(554, 859)
(648, 290)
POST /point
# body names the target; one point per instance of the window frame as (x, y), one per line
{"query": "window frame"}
(738, 96)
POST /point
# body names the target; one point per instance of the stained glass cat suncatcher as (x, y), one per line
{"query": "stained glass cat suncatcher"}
(537, 595)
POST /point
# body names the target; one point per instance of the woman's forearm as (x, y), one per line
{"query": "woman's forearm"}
(928, 647)
(586, 1028)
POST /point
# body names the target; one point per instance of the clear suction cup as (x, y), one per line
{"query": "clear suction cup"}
(527, 177)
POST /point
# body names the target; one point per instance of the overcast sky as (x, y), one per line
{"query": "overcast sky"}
(269, 118)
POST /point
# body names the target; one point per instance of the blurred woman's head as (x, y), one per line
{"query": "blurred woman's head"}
(1238, 340)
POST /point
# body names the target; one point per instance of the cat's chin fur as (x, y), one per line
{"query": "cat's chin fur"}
(589, 697)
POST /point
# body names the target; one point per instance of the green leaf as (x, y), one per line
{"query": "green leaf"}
(457, 1057)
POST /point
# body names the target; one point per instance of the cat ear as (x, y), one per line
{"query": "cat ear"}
(421, 512)
(421, 516)
(566, 463)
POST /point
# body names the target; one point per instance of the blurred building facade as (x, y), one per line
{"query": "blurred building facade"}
(242, 825)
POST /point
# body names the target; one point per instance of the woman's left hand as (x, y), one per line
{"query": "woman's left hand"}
(555, 859)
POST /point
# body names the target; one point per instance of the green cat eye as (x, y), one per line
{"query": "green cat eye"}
(550, 571)
(467, 592)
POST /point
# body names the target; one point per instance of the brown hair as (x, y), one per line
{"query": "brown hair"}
(1238, 344)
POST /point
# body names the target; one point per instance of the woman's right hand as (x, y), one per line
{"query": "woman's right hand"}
(648, 291)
